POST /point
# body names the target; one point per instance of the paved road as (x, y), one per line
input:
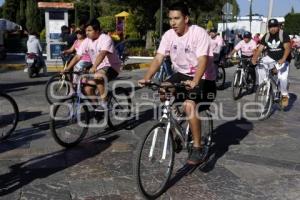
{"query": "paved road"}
(251, 160)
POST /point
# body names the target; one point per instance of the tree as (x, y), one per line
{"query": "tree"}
(107, 23)
(10, 10)
(32, 16)
(21, 17)
(292, 23)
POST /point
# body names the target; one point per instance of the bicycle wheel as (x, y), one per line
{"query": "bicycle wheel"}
(236, 86)
(251, 80)
(264, 98)
(58, 87)
(221, 76)
(9, 115)
(69, 122)
(119, 107)
(153, 172)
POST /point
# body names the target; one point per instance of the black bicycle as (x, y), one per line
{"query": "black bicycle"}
(70, 118)
(9, 115)
(244, 78)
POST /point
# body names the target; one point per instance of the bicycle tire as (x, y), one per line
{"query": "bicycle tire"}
(236, 88)
(221, 77)
(250, 79)
(55, 123)
(5, 118)
(114, 105)
(262, 88)
(66, 84)
(139, 173)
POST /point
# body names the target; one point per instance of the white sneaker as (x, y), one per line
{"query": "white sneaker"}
(26, 70)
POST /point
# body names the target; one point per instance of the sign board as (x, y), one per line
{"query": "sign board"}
(227, 9)
(55, 28)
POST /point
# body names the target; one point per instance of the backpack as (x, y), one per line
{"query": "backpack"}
(280, 36)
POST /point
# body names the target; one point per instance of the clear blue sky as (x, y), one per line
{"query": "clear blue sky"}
(1, 2)
(280, 7)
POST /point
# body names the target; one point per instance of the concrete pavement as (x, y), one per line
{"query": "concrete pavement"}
(251, 160)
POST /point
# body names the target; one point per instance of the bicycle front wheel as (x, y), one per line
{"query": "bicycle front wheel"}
(221, 76)
(236, 86)
(58, 87)
(153, 170)
(264, 98)
(119, 105)
(9, 115)
(69, 122)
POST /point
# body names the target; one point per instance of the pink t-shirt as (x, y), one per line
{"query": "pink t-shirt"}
(246, 48)
(185, 50)
(103, 43)
(85, 57)
(216, 44)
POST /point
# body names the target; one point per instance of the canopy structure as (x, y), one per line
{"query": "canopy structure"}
(122, 14)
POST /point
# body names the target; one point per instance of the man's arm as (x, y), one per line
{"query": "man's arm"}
(73, 62)
(287, 51)
(257, 53)
(154, 66)
(202, 60)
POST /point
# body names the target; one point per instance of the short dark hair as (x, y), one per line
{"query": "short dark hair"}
(95, 24)
(180, 6)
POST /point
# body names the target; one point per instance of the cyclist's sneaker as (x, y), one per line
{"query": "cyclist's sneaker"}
(101, 107)
(196, 157)
(284, 101)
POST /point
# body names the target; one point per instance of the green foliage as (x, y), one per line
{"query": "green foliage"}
(43, 34)
(32, 16)
(131, 25)
(10, 8)
(292, 23)
(108, 23)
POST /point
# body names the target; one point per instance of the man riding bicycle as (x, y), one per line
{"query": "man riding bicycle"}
(217, 45)
(106, 63)
(192, 60)
(277, 45)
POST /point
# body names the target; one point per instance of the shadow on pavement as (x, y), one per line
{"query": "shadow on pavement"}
(129, 124)
(292, 100)
(19, 138)
(227, 134)
(43, 166)
(14, 86)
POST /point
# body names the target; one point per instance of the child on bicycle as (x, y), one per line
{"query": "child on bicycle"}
(85, 60)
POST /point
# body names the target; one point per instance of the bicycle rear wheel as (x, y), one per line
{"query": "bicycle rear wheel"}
(58, 87)
(264, 100)
(236, 86)
(221, 76)
(119, 105)
(69, 122)
(9, 115)
(153, 172)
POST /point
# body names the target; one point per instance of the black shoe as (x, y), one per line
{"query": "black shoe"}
(196, 157)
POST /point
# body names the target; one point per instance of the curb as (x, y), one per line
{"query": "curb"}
(55, 68)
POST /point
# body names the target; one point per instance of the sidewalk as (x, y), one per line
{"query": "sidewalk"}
(17, 62)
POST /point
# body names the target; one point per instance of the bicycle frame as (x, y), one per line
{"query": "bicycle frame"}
(171, 122)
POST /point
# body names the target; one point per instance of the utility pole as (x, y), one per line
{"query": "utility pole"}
(250, 14)
(161, 18)
(270, 9)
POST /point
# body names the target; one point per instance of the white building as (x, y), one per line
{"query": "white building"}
(258, 24)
